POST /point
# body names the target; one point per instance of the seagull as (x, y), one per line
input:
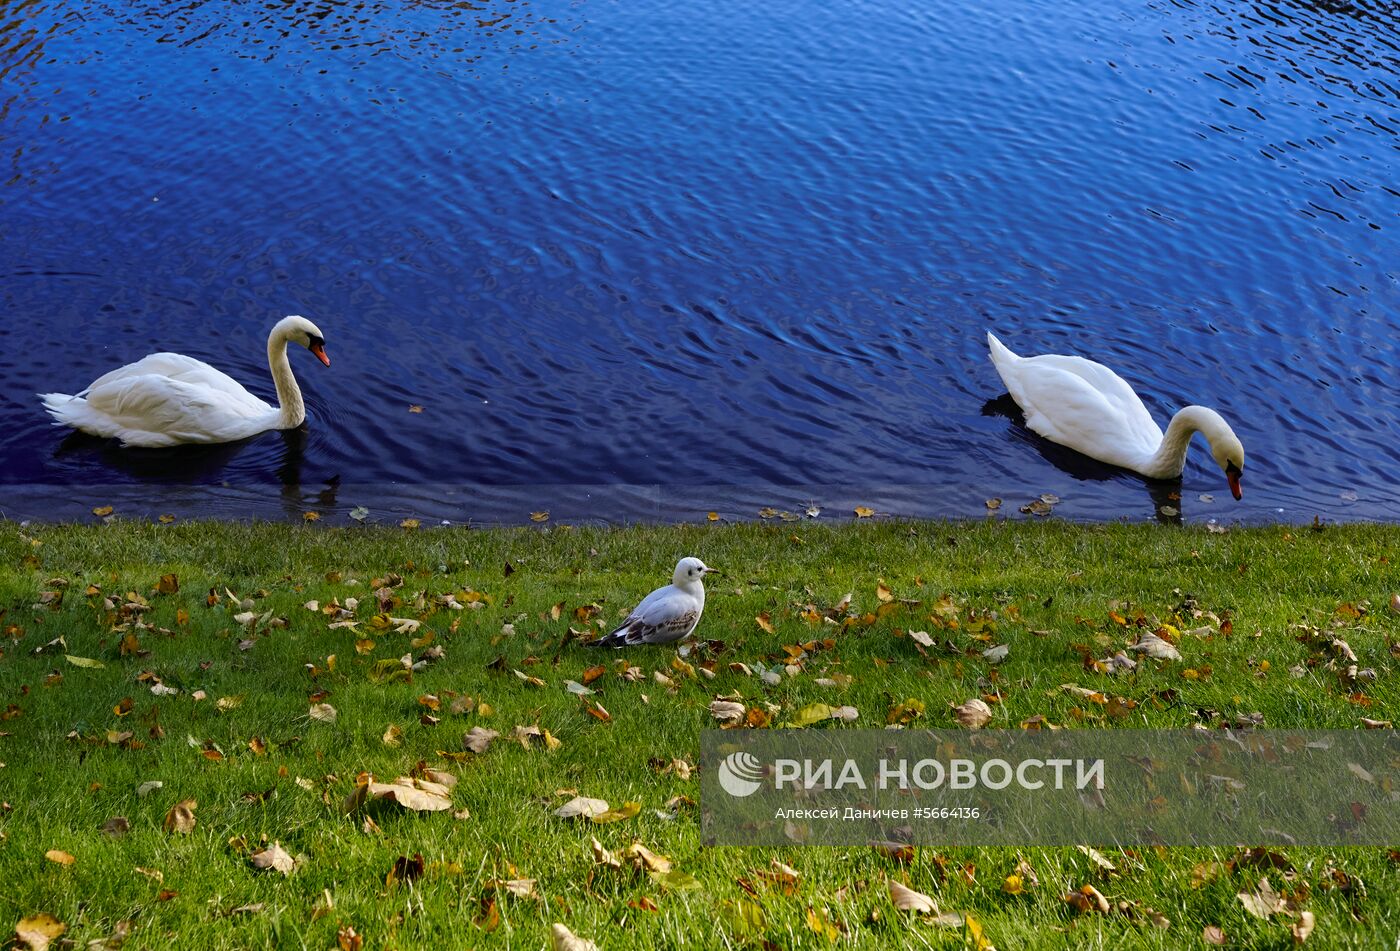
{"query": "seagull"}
(667, 614)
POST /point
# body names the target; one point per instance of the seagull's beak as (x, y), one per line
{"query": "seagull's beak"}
(713, 571)
(319, 349)
(1233, 473)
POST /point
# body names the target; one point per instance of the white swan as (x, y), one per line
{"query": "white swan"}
(167, 398)
(1086, 406)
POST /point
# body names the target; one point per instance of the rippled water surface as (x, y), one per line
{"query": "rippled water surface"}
(614, 250)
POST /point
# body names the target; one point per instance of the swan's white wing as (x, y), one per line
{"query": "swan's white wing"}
(1085, 406)
(1112, 387)
(183, 369)
(665, 615)
(158, 410)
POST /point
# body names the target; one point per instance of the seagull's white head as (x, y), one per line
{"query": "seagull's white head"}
(690, 570)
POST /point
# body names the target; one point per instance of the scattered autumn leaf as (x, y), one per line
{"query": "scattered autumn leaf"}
(1264, 902)
(581, 807)
(973, 713)
(1087, 899)
(1303, 927)
(180, 818)
(727, 711)
(274, 857)
(562, 939)
(1156, 647)
(623, 812)
(906, 899)
(37, 931)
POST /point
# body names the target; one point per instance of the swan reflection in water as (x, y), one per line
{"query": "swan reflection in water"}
(249, 459)
(1164, 493)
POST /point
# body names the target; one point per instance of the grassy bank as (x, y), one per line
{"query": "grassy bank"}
(223, 615)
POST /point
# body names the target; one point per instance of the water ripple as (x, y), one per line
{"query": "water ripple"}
(727, 247)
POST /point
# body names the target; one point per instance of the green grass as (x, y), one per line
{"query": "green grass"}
(62, 778)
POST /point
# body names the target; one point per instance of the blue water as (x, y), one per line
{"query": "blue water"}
(746, 248)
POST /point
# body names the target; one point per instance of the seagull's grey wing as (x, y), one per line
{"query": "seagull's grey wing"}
(666, 615)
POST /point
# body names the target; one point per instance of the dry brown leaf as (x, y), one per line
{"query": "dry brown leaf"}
(1087, 899)
(59, 857)
(525, 734)
(921, 638)
(727, 711)
(322, 712)
(1097, 858)
(581, 807)
(643, 858)
(1303, 927)
(478, 739)
(627, 810)
(518, 887)
(1027, 874)
(602, 856)
(562, 939)
(1156, 647)
(437, 776)
(1213, 934)
(37, 931)
(906, 899)
(784, 874)
(1263, 903)
(180, 818)
(416, 794)
(273, 857)
(973, 714)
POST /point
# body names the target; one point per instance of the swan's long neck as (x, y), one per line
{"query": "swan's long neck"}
(291, 407)
(1170, 457)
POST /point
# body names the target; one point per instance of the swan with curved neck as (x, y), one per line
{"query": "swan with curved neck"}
(166, 399)
(1086, 406)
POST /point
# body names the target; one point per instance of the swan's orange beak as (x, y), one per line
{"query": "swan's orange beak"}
(1233, 474)
(320, 350)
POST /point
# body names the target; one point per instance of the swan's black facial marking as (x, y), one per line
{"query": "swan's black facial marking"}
(317, 345)
(1232, 475)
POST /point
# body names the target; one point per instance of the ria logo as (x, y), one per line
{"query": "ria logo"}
(740, 774)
